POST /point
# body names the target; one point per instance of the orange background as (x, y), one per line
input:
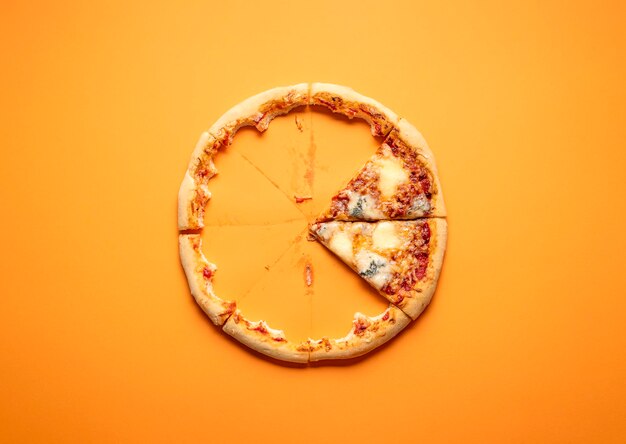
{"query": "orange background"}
(523, 105)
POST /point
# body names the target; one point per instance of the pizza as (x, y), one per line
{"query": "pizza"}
(266, 340)
(388, 224)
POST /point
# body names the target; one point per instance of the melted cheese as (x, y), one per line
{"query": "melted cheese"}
(373, 267)
(420, 206)
(274, 332)
(385, 236)
(380, 279)
(341, 244)
(391, 174)
(362, 206)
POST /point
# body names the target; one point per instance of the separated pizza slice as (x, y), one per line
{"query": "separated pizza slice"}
(366, 334)
(257, 111)
(399, 181)
(401, 259)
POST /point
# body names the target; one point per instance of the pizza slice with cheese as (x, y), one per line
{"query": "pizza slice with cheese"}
(401, 259)
(398, 182)
(261, 337)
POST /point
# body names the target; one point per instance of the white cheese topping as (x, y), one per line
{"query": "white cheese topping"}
(274, 332)
(420, 206)
(380, 279)
(341, 244)
(385, 236)
(356, 204)
(373, 267)
(391, 175)
(321, 230)
(362, 206)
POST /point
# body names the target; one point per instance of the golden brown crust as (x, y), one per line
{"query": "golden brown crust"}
(282, 104)
(260, 337)
(259, 110)
(346, 101)
(409, 136)
(366, 334)
(194, 193)
(192, 200)
(200, 274)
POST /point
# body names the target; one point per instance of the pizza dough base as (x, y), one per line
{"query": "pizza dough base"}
(194, 262)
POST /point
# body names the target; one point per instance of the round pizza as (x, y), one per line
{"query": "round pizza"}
(388, 223)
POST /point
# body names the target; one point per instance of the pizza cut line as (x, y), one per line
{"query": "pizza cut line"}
(387, 224)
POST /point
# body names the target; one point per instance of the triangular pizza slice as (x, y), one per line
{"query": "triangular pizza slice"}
(398, 182)
(401, 259)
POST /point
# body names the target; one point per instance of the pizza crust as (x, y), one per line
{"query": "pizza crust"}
(346, 101)
(418, 299)
(366, 334)
(194, 193)
(200, 274)
(268, 341)
(260, 110)
(411, 137)
(192, 200)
